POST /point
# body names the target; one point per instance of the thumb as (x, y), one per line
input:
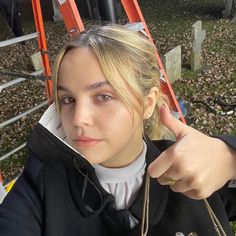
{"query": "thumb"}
(173, 124)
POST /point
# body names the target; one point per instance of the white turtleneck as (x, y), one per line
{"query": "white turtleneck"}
(124, 183)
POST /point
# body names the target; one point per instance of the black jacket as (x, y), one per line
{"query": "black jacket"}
(58, 194)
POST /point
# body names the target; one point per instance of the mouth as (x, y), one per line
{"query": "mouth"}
(86, 142)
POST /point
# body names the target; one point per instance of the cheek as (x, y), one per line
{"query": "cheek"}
(120, 121)
(65, 121)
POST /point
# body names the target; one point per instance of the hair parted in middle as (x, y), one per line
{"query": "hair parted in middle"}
(128, 60)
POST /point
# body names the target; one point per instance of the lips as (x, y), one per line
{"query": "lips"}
(86, 142)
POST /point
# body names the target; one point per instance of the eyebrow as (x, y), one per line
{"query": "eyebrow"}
(90, 87)
(61, 88)
(98, 84)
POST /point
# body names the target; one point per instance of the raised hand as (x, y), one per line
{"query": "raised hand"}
(196, 165)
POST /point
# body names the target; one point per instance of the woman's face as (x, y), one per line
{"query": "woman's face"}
(96, 121)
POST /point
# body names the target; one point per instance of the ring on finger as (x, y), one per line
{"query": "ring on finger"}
(169, 179)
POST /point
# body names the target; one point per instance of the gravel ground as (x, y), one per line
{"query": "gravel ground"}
(216, 80)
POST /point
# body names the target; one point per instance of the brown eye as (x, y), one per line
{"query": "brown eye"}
(103, 98)
(66, 100)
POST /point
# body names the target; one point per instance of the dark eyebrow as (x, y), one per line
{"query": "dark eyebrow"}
(98, 84)
(92, 86)
(59, 87)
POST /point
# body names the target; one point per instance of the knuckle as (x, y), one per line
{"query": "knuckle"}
(178, 151)
(175, 153)
(197, 182)
(183, 170)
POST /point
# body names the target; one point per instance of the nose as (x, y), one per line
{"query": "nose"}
(82, 115)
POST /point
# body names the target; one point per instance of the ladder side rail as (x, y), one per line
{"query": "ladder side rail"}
(135, 15)
(71, 17)
(42, 44)
(1, 180)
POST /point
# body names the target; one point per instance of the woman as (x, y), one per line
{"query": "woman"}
(87, 170)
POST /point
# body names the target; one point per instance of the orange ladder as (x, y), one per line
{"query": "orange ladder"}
(75, 26)
(42, 46)
(1, 181)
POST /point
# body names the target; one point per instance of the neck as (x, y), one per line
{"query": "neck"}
(125, 157)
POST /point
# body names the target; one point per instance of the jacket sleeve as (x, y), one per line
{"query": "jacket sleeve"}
(228, 192)
(21, 210)
(228, 197)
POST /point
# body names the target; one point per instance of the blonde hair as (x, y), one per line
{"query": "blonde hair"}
(127, 59)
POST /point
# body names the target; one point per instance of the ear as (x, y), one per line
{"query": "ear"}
(150, 101)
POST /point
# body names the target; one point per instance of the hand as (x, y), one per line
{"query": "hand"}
(200, 164)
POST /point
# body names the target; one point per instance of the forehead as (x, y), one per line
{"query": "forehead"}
(78, 56)
(81, 65)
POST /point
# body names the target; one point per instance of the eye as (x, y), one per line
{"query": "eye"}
(66, 100)
(103, 98)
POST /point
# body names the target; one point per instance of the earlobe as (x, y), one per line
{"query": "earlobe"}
(150, 101)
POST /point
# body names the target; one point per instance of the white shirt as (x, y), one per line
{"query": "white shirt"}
(124, 182)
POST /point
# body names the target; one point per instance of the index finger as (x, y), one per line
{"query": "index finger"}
(158, 167)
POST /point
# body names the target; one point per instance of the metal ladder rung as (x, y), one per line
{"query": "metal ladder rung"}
(18, 80)
(137, 26)
(13, 119)
(18, 39)
(12, 152)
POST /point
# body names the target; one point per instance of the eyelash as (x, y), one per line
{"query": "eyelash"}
(64, 101)
(101, 98)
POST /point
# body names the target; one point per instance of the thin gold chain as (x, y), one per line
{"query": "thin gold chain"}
(145, 216)
(218, 227)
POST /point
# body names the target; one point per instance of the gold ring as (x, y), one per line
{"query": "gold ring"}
(170, 180)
